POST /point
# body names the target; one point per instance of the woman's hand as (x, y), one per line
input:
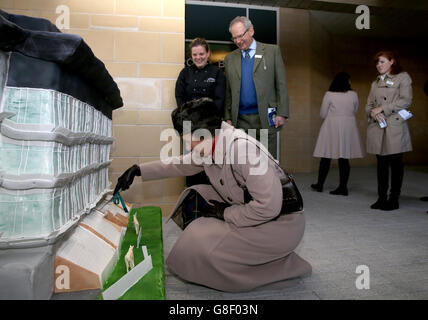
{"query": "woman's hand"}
(215, 211)
(229, 122)
(379, 117)
(375, 111)
(126, 179)
(279, 121)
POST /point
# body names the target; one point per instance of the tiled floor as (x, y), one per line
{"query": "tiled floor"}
(341, 234)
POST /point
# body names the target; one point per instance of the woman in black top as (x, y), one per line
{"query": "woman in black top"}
(201, 79)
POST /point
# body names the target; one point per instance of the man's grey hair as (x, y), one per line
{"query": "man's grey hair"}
(244, 20)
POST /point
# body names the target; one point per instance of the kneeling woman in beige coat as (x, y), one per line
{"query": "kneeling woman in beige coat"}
(236, 245)
(390, 93)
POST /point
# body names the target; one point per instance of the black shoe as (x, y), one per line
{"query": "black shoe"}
(340, 191)
(423, 198)
(378, 204)
(390, 205)
(316, 187)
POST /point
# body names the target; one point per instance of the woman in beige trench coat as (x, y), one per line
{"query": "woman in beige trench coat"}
(235, 246)
(390, 93)
(339, 137)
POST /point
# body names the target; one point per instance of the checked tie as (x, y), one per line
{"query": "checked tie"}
(247, 54)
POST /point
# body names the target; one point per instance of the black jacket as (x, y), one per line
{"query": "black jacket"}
(194, 83)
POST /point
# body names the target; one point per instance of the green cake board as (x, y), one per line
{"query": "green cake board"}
(152, 285)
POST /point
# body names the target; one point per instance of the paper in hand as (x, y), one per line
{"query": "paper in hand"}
(406, 115)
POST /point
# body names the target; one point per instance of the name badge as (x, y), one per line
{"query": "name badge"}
(258, 56)
(389, 83)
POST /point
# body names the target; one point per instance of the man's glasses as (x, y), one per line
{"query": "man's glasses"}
(239, 37)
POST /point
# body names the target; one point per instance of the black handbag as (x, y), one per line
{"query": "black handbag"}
(190, 208)
(292, 200)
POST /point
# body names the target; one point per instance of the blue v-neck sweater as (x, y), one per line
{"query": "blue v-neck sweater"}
(248, 95)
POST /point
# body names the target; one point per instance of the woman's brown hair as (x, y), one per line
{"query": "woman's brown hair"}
(390, 55)
(199, 42)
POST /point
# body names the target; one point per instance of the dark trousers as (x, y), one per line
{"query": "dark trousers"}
(252, 121)
(344, 170)
(384, 163)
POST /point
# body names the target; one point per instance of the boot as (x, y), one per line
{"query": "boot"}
(322, 174)
(391, 204)
(397, 174)
(342, 191)
(316, 187)
(344, 170)
(382, 181)
(380, 203)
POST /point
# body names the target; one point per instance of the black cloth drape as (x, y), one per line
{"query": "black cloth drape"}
(70, 52)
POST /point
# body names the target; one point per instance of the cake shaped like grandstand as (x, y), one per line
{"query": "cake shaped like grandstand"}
(55, 138)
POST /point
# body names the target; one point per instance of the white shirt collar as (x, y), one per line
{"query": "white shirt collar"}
(252, 49)
(384, 76)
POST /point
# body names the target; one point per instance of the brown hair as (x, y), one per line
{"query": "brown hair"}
(396, 67)
(199, 42)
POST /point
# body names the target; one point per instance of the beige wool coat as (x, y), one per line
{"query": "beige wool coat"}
(394, 93)
(339, 136)
(248, 249)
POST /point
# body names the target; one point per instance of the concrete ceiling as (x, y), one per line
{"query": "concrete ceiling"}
(388, 18)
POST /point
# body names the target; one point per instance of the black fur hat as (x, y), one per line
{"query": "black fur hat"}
(202, 113)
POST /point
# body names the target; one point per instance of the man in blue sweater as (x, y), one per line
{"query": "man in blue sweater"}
(255, 84)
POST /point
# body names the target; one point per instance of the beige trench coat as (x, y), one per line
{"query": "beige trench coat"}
(248, 249)
(394, 93)
(339, 136)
